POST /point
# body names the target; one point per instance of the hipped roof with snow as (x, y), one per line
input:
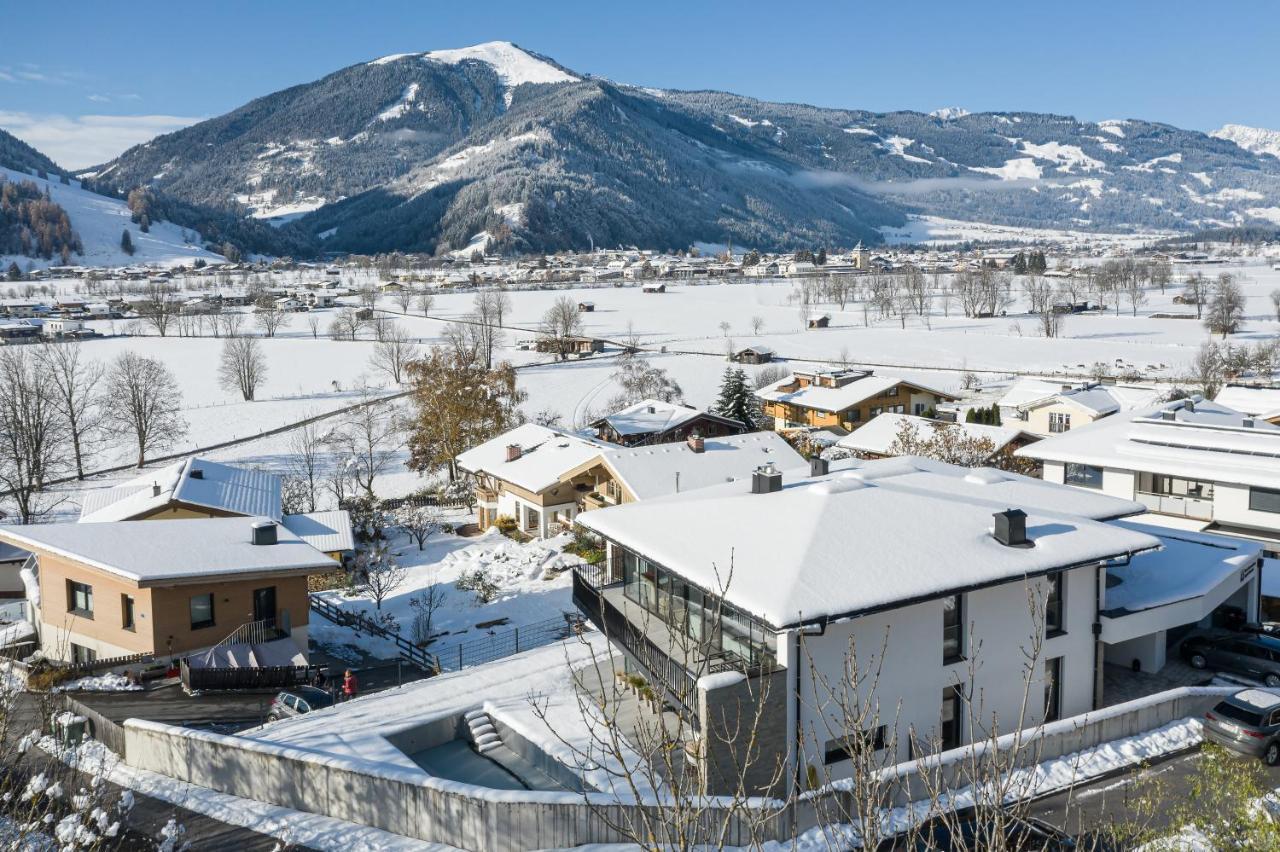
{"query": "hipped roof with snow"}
(661, 469)
(654, 417)
(881, 535)
(172, 551)
(1187, 438)
(194, 482)
(544, 455)
(836, 399)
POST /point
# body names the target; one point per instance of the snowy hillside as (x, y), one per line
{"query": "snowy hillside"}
(100, 221)
(1259, 140)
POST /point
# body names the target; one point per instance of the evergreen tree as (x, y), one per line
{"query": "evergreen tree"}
(820, 259)
(15, 273)
(736, 401)
(126, 243)
(971, 416)
(1020, 263)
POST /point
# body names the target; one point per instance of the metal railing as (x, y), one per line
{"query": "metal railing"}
(504, 643)
(409, 652)
(249, 633)
(668, 675)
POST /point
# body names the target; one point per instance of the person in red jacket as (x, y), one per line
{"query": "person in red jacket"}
(350, 686)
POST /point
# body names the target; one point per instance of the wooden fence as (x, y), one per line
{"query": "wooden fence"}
(102, 729)
(256, 677)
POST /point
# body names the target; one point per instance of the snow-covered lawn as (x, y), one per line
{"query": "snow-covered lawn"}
(532, 585)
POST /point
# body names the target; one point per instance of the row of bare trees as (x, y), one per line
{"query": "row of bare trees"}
(59, 408)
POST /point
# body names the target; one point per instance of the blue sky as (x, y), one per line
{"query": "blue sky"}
(85, 80)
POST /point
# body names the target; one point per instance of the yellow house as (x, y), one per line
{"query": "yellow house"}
(200, 488)
(842, 398)
(165, 587)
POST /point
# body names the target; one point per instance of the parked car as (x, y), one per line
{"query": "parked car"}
(1255, 655)
(1025, 834)
(1248, 723)
(299, 700)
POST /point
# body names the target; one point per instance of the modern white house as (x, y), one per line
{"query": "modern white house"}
(936, 579)
(1263, 402)
(1195, 465)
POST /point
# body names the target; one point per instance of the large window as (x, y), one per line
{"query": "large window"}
(1053, 610)
(952, 727)
(1053, 689)
(201, 611)
(80, 598)
(859, 742)
(82, 654)
(1083, 475)
(126, 612)
(953, 629)
(691, 611)
(1174, 486)
(1059, 421)
(1264, 500)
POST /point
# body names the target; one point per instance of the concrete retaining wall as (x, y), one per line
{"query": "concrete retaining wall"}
(471, 817)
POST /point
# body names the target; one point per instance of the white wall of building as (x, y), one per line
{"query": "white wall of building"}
(910, 676)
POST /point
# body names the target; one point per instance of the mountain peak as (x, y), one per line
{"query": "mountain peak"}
(513, 64)
(1257, 140)
(949, 113)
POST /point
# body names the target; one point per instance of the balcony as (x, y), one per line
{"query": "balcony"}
(1173, 504)
(673, 660)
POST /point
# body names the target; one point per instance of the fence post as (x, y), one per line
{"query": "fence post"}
(517, 632)
(459, 656)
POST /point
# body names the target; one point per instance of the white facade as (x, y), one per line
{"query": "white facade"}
(911, 677)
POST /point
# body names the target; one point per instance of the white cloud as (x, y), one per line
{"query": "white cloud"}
(77, 142)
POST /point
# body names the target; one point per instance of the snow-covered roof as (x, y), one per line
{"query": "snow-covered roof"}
(545, 455)
(1249, 400)
(221, 487)
(10, 553)
(1098, 398)
(650, 416)
(328, 532)
(872, 537)
(879, 434)
(662, 469)
(1207, 441)
(1187, 565)
(156, 552)
(838, 398)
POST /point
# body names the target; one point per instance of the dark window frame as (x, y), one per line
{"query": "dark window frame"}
(1271, 495)
(128, 618)
(956, 628)
(204, 623)
(1053, 689)
(953, 696)
(842, 748)
(1085, 481)
(74, 588)
(1055, 606)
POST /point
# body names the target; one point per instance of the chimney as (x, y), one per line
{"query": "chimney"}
(1247, 423)
(1067, 388)
(1189, 405)
(697, 444)
(155, 489)
(513, 452)
(653, 410)
(766, 479)
(196, 473)
(1011, 528)
(1168, 414)
(818, 466)
(263, 532)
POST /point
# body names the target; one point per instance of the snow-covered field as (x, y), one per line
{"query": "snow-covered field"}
(311, 375)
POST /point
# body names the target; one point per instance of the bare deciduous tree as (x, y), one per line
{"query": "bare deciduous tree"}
(560, 323)
(269, 317)
(394, 352)
(75, 380)
(32, 432)
(142, 401)
(158, 306)
(367, 439)
(346, 324)
(425, 301)
(306, 446)
(242, 366)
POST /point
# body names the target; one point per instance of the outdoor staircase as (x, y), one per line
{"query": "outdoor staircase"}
(483, 733)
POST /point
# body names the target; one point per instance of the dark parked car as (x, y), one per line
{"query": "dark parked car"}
(973, 832)
(299, 700)
(1254, 655)
(1247, 722)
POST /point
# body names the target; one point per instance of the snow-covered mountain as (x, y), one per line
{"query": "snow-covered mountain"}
(101, 221)
(496, 145)
(1255, 139)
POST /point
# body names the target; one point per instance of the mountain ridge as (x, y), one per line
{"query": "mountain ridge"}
(498, 147)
